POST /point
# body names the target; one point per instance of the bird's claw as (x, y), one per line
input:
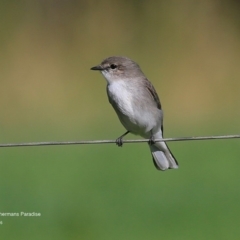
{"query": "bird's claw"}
(151, 141)
(119, 142)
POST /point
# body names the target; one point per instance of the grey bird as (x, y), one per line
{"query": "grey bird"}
(137, 105)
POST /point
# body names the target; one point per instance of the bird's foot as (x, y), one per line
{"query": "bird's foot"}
(151, 141)
(119, 142)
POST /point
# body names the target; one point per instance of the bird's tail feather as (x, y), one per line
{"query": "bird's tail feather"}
(163, 159)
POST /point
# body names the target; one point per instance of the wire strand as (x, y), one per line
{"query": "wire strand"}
(36, 144)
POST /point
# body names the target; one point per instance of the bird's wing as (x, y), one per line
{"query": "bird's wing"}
(153, 93)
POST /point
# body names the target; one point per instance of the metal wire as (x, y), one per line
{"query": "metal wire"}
(36, 144)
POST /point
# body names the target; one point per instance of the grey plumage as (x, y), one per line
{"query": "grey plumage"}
(137, 105)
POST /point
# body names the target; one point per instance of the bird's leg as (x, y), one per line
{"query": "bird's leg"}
(151, 140)
(119, 140)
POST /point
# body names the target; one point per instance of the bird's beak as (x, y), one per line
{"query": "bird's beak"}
(98, 67)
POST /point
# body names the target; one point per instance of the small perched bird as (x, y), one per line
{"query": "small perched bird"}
(137, 105)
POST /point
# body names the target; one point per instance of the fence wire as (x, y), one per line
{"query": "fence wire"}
(36, 144)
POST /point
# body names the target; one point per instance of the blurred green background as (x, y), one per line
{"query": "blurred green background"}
(190, 50)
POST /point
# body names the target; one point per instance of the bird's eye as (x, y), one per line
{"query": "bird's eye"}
(113, 66)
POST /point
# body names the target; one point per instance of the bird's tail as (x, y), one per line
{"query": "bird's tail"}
(163, 159)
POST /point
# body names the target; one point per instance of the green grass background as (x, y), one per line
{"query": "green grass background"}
(190, 52)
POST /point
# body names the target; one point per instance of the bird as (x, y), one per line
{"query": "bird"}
(137, 106)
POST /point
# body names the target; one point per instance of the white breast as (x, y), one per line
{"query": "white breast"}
(120, 94)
